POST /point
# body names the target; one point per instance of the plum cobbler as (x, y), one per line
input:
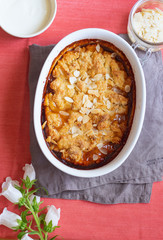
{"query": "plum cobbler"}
(88, 104)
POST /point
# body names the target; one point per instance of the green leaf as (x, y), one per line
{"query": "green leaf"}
(42, 209)
(54, 237)
(22, 225)
(15, 228)
(24, 215)
(21, 234)
(19, 221)
(35, 205)
(28, 183)
(45, 190)
(33, 181)
(49, 227)
(33, 233)
(42, 217)
(21, 202)
(55, 227)
(32, 192)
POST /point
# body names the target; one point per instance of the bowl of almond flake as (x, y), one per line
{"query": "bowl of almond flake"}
(145, 25)
(89, 103)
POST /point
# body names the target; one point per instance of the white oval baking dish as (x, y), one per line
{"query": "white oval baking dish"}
(94, 33)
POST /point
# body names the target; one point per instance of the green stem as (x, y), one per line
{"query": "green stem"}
(36, 218)
(46, 236)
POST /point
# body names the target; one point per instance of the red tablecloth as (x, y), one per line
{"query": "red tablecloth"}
(79, 220)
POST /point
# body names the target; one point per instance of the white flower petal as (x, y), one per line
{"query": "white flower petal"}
(26, 237)
(9, 219)
(9, 191)
(29, 171)
(53, 214)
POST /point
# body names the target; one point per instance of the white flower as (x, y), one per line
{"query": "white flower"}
(26, 237)
(53, 214)
(9, 191)
(31, 197)
(29, 171)
(9, 219)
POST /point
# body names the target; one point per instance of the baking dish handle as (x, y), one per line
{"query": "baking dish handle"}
(147, 53)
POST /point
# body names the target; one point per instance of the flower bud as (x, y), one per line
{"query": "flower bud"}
(52, 214)
(29, 171)
(31, 197)
(9, 219)
(9, 191)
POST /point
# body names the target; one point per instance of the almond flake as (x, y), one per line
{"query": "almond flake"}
(100, 145)
(94, 86)
(95, 131)
(64, 113)
(103, 150)
(85, 98)
(88, 104)
(75, 135)
(61, 71)
(127, 88)
(76, 73)
(83, 110)
(98, 77)
(95, 157)
(70, 86)
(74, 130)
(68, 99)
(88, 111)
(48, 139)
(107, 76)
(116, 90)
(89, 132)
(72, 80)
(44, 124)
(93, 80)
(54, 104)
(80, 118)
(94, 111)
(98, 48)
(94, 92)
(108, 104)
(94, 125)
(54, 142)
(78, 88)
(113, 55)
(86, 80)
(85, 119)
(95, 100)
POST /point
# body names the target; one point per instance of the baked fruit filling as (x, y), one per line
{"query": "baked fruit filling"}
(88, 104)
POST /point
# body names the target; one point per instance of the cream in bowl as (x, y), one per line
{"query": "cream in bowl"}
(27, 18)
(93, 93)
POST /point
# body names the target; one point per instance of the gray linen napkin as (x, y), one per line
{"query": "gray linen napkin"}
(132, 181)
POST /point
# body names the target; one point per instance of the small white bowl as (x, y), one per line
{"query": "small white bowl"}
(94, 33)
(27, 18)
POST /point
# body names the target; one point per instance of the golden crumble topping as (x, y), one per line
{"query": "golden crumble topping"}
(88, 103)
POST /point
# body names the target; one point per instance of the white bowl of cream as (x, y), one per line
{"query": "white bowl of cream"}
(26, 18)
